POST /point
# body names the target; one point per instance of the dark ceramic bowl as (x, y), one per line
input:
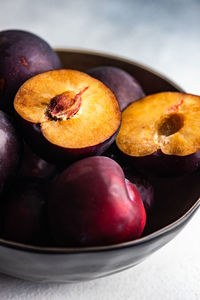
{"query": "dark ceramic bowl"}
(176, 202)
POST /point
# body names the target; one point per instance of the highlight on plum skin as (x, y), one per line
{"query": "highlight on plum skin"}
(10, 151)
(141, 181)
(90, 205)
(144, 187)
(22, 55)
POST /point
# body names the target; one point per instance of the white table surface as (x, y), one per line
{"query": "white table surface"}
(165, 35)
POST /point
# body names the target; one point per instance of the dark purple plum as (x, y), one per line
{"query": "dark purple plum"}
(10, 150)
(125, 87)
(90, 204)
(23, 213)
(22, 55)
(32, 166)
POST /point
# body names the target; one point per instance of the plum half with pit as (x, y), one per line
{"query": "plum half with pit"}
(90, 204)
(67, 115)
(10, 150)
(160, 134)
(125, 87)
(22, 55)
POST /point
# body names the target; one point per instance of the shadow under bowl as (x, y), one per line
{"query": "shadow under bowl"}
(177, 199)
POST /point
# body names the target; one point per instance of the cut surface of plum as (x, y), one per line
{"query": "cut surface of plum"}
(168, 122)
(73, 110)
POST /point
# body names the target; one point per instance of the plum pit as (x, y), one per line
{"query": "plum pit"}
(65, 105)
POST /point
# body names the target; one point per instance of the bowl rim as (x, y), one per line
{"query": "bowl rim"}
(77, 250)
(122, 59)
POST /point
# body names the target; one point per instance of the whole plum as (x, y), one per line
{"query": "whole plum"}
(90, 204)
(22, 55)
(125, 87)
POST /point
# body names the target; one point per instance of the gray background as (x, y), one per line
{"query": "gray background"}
(164, 35)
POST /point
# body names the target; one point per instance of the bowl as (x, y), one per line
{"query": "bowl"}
(177, 199)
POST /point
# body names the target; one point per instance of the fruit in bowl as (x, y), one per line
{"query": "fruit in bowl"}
(54, 262)
(22, 55)
(160, 133)
(92, 204)
(67, 115)
(125, 87)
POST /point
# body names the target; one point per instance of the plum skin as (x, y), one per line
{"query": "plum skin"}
(141, 181)
(22, 55)
(160, 164)
(10, 150)
(144, 187)
(89, 204)
(125, 87)
(33, 167)
(23, 213)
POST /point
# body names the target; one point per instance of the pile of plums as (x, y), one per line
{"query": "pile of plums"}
(74, 147)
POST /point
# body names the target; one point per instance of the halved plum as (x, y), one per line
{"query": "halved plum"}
(160, 133)
(67, 115)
